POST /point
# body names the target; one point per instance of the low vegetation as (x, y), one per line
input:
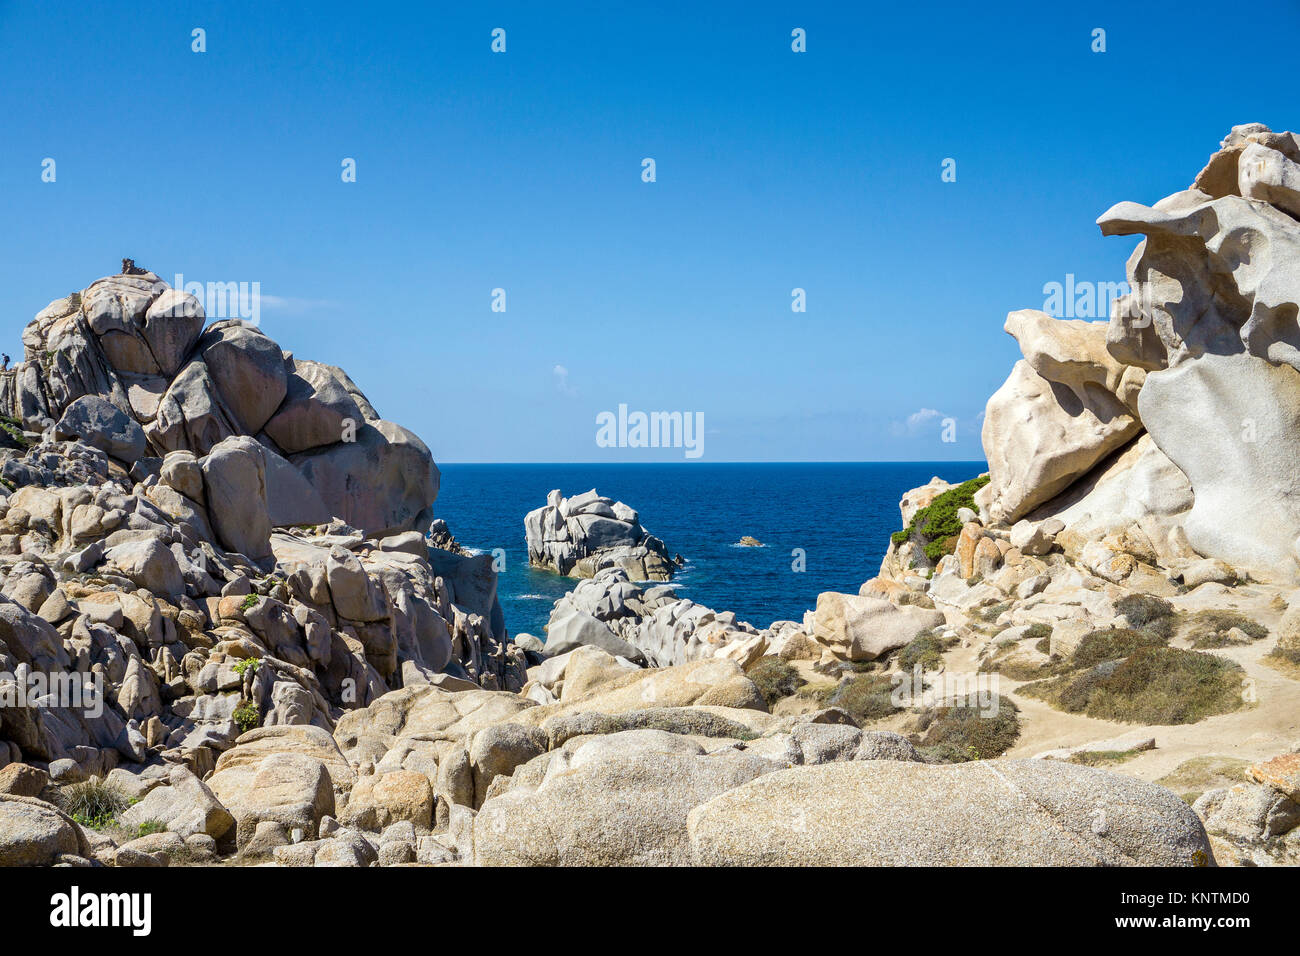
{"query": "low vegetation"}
(1152, 685)
(247, 716)
(1149, 613)
(1212, 629)
(1102, 758)
(865, 697)
(1191, 778)
(966, 732)
(94, 804)
(936, 526)
(11, 434)
(1285, 655)
(926, 649)
(1112, 643)
(774, 678)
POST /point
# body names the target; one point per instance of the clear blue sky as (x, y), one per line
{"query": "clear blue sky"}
(522, 171)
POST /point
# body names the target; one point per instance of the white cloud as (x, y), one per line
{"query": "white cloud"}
(295, 306)
(916, 421)
(921, 417)
(562, 381)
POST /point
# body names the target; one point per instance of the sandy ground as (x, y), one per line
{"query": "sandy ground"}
(1269, 726)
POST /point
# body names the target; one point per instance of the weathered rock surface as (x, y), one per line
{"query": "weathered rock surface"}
(587, 533)
(987, 813)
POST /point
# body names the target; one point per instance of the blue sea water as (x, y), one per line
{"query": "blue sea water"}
(840, 514)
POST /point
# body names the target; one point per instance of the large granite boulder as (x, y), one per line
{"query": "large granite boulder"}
(316, 410)
(858, 628)
(1064, 408)
(627, 810)
(983, 813)
(248, 369)
(126, 367)
(582, 535)
(382, 483)
(234, 483)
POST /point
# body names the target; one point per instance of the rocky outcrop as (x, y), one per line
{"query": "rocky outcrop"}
(649, 625)
(158, 550)
(1201, 359)
(986, 813)
(126, 366)
(584, 534)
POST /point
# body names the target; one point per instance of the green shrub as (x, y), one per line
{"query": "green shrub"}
(1149, 613)
(774, 678)
(936, 526)
(1210, 628)
(865, 697)
(994, 611)
(247, 716)
(965, 732)
(1109, 644)
(11, 434)
(1039, 631)
(925, 649)
(1287, 650)
(149, 827)
(249, 602)
(93, 804)
(1142, 609)
(1153, 685)
(247, 664)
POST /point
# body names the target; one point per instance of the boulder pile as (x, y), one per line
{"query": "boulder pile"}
(1089, 655)
(584, 534)
(179, 564)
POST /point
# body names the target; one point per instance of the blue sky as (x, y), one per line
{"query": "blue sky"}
(522, 171)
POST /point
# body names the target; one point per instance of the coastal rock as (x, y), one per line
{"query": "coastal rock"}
(1040, 436)
(587, 533)
(1235, 397)
(185, 805)
(857, 628)
(646, 624)
(317, 409)
(627, 811)
(989, 813)
(234, 481)
(248, 370)
(102, 425)
(34, 833)
(290, 788)
(383, 483)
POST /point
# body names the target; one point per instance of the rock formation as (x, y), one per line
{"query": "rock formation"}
(127, 365)
(1202, 356)
(582, 535)
(647, 625)
(341, 695)
(164, 553)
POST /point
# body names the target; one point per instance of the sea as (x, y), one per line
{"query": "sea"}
(823, 526)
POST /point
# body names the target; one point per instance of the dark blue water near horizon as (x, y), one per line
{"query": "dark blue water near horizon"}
(840, 514)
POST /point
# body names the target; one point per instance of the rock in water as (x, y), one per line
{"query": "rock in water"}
(587, 533)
